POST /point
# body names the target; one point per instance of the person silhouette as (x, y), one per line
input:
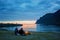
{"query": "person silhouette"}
(16, 31)
(21, 32)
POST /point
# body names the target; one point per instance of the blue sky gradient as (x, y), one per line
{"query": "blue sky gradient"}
(26, 9)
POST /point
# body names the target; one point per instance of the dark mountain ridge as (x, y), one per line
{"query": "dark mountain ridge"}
(50, 19)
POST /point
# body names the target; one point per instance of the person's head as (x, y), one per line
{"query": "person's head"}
(21, 28)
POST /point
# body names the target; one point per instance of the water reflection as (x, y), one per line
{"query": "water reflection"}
(36, 27)
(47, 28)
(29, 27)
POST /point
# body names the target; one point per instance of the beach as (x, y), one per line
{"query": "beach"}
(9, 35)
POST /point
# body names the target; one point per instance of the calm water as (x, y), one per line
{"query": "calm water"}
(36, 27)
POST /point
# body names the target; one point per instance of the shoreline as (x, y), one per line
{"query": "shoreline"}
(9, 35)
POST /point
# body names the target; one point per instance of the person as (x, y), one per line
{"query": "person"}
(16, 31)
(21, 32)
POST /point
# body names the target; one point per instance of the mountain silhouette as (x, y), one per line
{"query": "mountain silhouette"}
(50, 19)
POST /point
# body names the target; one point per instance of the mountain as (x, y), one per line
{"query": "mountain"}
(50, 19)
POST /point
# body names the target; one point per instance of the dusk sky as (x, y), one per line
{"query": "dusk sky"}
(26, 9)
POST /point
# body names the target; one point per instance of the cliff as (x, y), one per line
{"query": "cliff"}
(50, 19)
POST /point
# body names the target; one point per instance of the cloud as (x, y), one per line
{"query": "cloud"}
(25, 5)
(17, 9)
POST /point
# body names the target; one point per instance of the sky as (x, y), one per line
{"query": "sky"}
(26, 9)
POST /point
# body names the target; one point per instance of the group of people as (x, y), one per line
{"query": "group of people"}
(21, 32)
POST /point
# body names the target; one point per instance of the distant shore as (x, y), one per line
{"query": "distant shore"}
(9, 24)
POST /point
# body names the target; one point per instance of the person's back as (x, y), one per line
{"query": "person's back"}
(16, 31)
(21, 31)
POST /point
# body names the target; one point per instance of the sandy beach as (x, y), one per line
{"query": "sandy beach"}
(9, 35)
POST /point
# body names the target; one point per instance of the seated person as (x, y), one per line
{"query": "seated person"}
(16, 31)
(21, 32)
